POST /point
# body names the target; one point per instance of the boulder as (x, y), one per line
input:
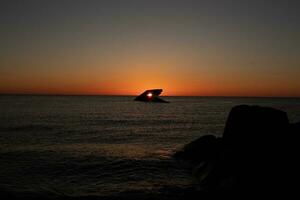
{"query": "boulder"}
(255, 138)
(295, 128)
(253, 156)
(248, 125)
(203, 149)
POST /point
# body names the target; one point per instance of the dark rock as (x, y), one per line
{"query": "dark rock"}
(203, 149)
(254, 136)
(255, 154)
(292, 157)
(203, 156)
(295, 128)
(254, 125)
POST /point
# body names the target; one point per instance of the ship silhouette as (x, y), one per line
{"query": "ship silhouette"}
(151, 96)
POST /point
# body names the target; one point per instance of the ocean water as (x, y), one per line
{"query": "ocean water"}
(107, 145)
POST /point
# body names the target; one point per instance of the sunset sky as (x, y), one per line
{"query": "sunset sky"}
(198, 48)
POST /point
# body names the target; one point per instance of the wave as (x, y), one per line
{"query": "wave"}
(43, 172)
(30, 127)
(135, 121)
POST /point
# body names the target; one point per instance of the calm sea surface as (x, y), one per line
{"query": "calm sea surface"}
(100, 145)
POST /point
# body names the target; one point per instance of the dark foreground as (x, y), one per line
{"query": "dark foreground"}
(256, 155)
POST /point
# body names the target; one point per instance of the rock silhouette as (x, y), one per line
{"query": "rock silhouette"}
(202, 149)
(151, 96)
(256, 154)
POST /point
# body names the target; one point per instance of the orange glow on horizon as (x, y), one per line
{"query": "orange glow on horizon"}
(129, 79)
(174, 90)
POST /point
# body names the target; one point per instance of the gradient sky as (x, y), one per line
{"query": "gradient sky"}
(209, 48)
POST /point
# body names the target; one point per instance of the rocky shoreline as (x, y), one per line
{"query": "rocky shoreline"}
(257, 154)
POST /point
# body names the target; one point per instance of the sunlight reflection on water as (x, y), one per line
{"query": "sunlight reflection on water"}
(96, 145)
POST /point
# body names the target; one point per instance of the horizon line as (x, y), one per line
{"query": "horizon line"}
(131, 95)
